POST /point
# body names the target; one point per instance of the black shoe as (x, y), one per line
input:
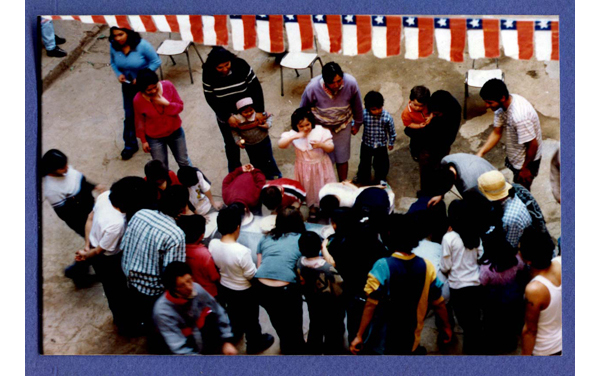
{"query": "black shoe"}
(57, 52)
(264, 343)
(127, 153)
(58, 40)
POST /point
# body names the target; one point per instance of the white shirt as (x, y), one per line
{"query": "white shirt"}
(522, 125)
(458, 262)
(197, 196)
(234, 262)
(57, 189)
(348, 192)
(108, 226)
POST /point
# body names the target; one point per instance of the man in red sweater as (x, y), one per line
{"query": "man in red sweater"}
(243, 185)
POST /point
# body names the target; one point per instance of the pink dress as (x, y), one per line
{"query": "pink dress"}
(313, 168)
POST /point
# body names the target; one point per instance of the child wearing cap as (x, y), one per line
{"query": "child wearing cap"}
(251, 132)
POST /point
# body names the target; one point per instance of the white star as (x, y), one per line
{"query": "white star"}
(410, 20)
(475, 22)
(319, 17)
(262, 15)
(442, 22)
(379, 19)
(290, 17)
(349, 18)
(543, 24)
(508, 23)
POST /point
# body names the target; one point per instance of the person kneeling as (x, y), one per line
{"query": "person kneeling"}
(190, 320)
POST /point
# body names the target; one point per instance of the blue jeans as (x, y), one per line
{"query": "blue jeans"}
(129, 92)
(176, 142)
(48, 35)
(261, 157)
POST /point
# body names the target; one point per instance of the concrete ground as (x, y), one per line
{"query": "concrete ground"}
(82, 116)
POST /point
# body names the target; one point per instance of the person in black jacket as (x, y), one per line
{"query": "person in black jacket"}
(225, 80)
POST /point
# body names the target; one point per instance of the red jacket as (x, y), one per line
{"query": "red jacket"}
(243, 187)
(204, 271)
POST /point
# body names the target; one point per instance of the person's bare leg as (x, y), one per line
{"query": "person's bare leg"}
(342, 170)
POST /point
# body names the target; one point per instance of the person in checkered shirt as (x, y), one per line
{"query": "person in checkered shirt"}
(524, 134)
(378, 137)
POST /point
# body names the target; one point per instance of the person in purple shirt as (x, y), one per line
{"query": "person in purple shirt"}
(129, 54)
(335, 100)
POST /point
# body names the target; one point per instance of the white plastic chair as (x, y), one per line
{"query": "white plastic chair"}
(477, 78)
(170, 48)
(299, 60)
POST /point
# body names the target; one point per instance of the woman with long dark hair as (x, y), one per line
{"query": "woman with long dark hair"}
(227, 79)
(278, 288)
(129, 54)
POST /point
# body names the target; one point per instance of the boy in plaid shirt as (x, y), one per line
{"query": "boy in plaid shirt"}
(378, 136)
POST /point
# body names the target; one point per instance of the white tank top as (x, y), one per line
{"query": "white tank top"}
(549, 333)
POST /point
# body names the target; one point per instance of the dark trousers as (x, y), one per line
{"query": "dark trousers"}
(242, 309)
(261, 157)
(232, 151)
(354, 310)
(326, 329)
(381, 163)
(466, 305)
(129, 92)
(284, 306)
(534, 167)
(428, 161)
(140, 310)
(109, 272)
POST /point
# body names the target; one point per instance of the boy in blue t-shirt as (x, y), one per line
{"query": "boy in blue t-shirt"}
(378, 136)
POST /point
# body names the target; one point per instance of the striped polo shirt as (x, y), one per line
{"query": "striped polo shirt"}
(522, 125)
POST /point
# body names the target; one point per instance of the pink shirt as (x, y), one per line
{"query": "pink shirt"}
(157, 121)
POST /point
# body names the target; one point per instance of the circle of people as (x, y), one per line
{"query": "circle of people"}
(375, 269)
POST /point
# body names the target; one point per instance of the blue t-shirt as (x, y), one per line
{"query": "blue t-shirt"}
(279, 257)
(138, 58)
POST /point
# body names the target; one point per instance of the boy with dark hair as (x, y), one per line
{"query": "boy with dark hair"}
(322, 288)
(523, 131)
(188, 318)
(199, 189)
(159, 176)
(416, 115)
(237, 294)
(282, 193)
(399, 289)
(197, 256)
(378, 136)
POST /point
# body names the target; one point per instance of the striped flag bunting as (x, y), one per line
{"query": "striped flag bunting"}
(450, 37)
(517, 38)
(354, 35)
(546, 40)
(243, 32)
(418, 35)
(269, 30)
(299, 32)
(387, 33)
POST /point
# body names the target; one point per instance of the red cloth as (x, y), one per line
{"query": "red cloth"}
(204, 271)
(293, 191)
(244, 187)
(149, 121)
(411, 116)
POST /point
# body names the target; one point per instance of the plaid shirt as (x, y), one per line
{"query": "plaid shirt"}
(379, 130)
(152, 241)
(515, 220)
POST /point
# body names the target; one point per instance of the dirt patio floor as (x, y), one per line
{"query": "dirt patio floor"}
(82, 116)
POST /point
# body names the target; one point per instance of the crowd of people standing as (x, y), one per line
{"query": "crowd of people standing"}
(194, 289)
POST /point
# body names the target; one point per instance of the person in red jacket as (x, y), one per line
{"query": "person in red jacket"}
(157, 107)
(244, 185)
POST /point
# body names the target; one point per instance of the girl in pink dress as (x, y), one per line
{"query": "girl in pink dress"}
(313, 168)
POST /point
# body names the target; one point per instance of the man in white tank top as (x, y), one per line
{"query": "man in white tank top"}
(542, 333)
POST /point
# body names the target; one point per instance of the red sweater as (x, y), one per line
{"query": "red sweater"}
(243, 187)
(157, 121)
(204, 271)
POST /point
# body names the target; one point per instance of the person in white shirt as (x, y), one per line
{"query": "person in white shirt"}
(542, 333)
(235, 264)
(461, 247)
(103, 232)
(201, 197)
(524, 134)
